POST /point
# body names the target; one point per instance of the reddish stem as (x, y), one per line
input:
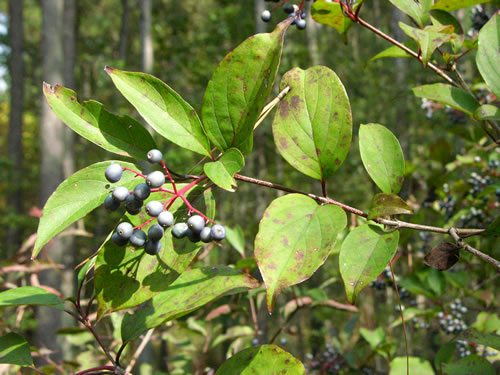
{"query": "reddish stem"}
(192, 209)
(168, 176)
(145, 223)
(136, 173)
(162, 189)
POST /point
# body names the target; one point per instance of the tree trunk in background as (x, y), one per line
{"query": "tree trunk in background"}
(312, 37)
(69, 48)
(52, 164)
(124, 30)
(14, 143)
(146, 38)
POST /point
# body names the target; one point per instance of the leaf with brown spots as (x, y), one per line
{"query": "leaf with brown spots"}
(382, 157)
(295, 237)
(430, 38)
(443, 256)
(74, 198)
(313, 127)
(239, 88)
(264, 359)
(365, 253)
(192, 290)
(121, 135)
(387, 205)
(330, 13)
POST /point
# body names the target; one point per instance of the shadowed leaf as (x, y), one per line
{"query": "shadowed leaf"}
(15, 350)
(449, 95)
(264, 359)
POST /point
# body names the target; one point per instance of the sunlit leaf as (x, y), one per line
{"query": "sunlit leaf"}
(121, 135)
(162, 108)
(449, 95)
(295, 237)
(312, 128)
(264, 359)
(221, 172)
(30, 295)
(416, 10)
(76, 197)
(387, 205)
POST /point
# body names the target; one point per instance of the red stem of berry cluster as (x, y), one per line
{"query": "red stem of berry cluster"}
(175, 194)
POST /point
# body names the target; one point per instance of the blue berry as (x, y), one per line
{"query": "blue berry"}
(154, 156)
(265, 16)
(155, 232)
(205, 234)
(124, 230)
(288, 8)
(255, 342)
(180, 230)
(196, 223)
(165, 219)
(155, 179)
(120, 193)
(152, 247)
(218, 232)
(113, 172)
(133, 211)
(301, 24)
(193, 236)
(154, 208)
(142, 191)
(119, 241)
(132, 203)
(110, 204)
(138, 238)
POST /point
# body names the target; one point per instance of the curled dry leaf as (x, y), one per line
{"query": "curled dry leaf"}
(443, 256)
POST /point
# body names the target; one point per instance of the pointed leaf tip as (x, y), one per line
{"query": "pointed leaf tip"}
(109, 69)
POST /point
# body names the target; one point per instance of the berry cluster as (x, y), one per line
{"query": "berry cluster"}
(330, 361)
(292, 10)
(454, 321)
(195, 228)
(478, 17)
(385, 281)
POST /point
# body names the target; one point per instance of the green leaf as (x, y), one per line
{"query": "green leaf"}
(488, 53)
(491, 340)
(238, 90)
(126, 276)
(470, 365)
(76, 197)
(487, 322)
(82, 273)
(221, 172)
(193, 289)
(295, 237)
(415, 286)
(393, 51)
(374, 338)
(236, 238)
(444, 354)
(329, 13)
(121, 135)
(382, 157)
(365, 253)
(210, 205)
(440, 17)
(436, 282)
(417, 11)
(450, 5)
(487, 112)
(417, 366)
(387, 205)
(449, 95)
(493, 228)
(430, 38)
(264, 359)
(162, 108)
(232, 333)
(15, 350)
(29, 295)
(313, 126)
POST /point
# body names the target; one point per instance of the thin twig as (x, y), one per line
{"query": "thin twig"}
(396, 224)
(120, 351)
(406, 49)
(465, 246)
(269, 107)
(402, 319)
(94, 369)
(35, 369)
(139, 350)
(98, 339)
